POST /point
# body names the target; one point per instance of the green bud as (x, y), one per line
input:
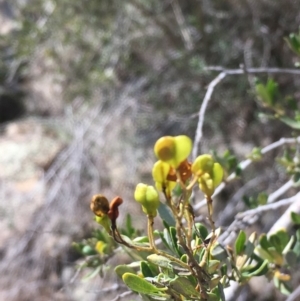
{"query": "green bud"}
(210, 173)
(148, 197)
(203, 164)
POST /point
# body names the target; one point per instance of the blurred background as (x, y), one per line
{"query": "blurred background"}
(86, 88)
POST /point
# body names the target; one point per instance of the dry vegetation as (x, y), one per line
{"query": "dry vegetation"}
(101, 81)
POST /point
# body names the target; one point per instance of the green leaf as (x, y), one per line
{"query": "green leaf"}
(184, 258)
(160, 261)
(263, 241)
(153, 297)
(277, 257)
(283, 287)
(289, 245)
(184, 287)
(212, 297)
(145, 269)
(223, 270)
(296, 248)
(213, 265)
(291, 102)
(221, 291)
(140, 285)
(141, 239)
(262, 198)
(179, 270)
(294, 42)
(256, 154)
(279, 240)
(122, 269)
(290, 122)
(163, 235)
(165, 214)
(272, 89)
(263, 253)
(202, 230)
(295, 218)
(263, 94)
(240, 243)
(129, 231)
(296, 179)
(291, 258)
(168, 239)
(238, 170)
(219, 252)
(175, 244)
(259, 270)
(250, 246)
(177, 191)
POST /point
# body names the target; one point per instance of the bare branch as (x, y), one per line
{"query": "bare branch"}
(253, 70)
(216, 81)
(294, 295)
(229, 235)
(123, 295)
(268, 207)
(285, 221)
(202, 111)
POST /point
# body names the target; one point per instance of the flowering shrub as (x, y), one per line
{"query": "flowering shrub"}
(185, 261)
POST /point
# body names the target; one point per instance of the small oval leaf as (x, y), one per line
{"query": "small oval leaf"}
(140, 285)
(240, 243)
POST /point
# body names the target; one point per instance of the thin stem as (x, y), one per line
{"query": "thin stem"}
(213, 228)
(192, 183)
(174, 259)
(150, 232)
(210, 213)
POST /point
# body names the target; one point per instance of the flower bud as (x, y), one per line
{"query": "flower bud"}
(160, 173)
(173, 150)
(99, 205)
(203, 164)
(210, 173)
(147, 196)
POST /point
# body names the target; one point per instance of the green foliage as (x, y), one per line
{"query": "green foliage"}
(293, 40)
(188, 262)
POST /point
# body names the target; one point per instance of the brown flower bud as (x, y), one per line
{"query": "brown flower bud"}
(99, 205)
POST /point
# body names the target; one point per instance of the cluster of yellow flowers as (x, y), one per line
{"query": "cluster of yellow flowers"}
(173, 167)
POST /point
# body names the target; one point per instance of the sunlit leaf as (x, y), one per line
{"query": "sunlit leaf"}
(140, 285)
(240, 243)
(122, 269)
(294, 124)
(184, 287)
(283, 287)
(295, 218)
(258, 270)
(160, 261)
(219, 252)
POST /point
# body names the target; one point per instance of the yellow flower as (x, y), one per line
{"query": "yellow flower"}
(210, 173)
(160, 174)
(173, 150)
